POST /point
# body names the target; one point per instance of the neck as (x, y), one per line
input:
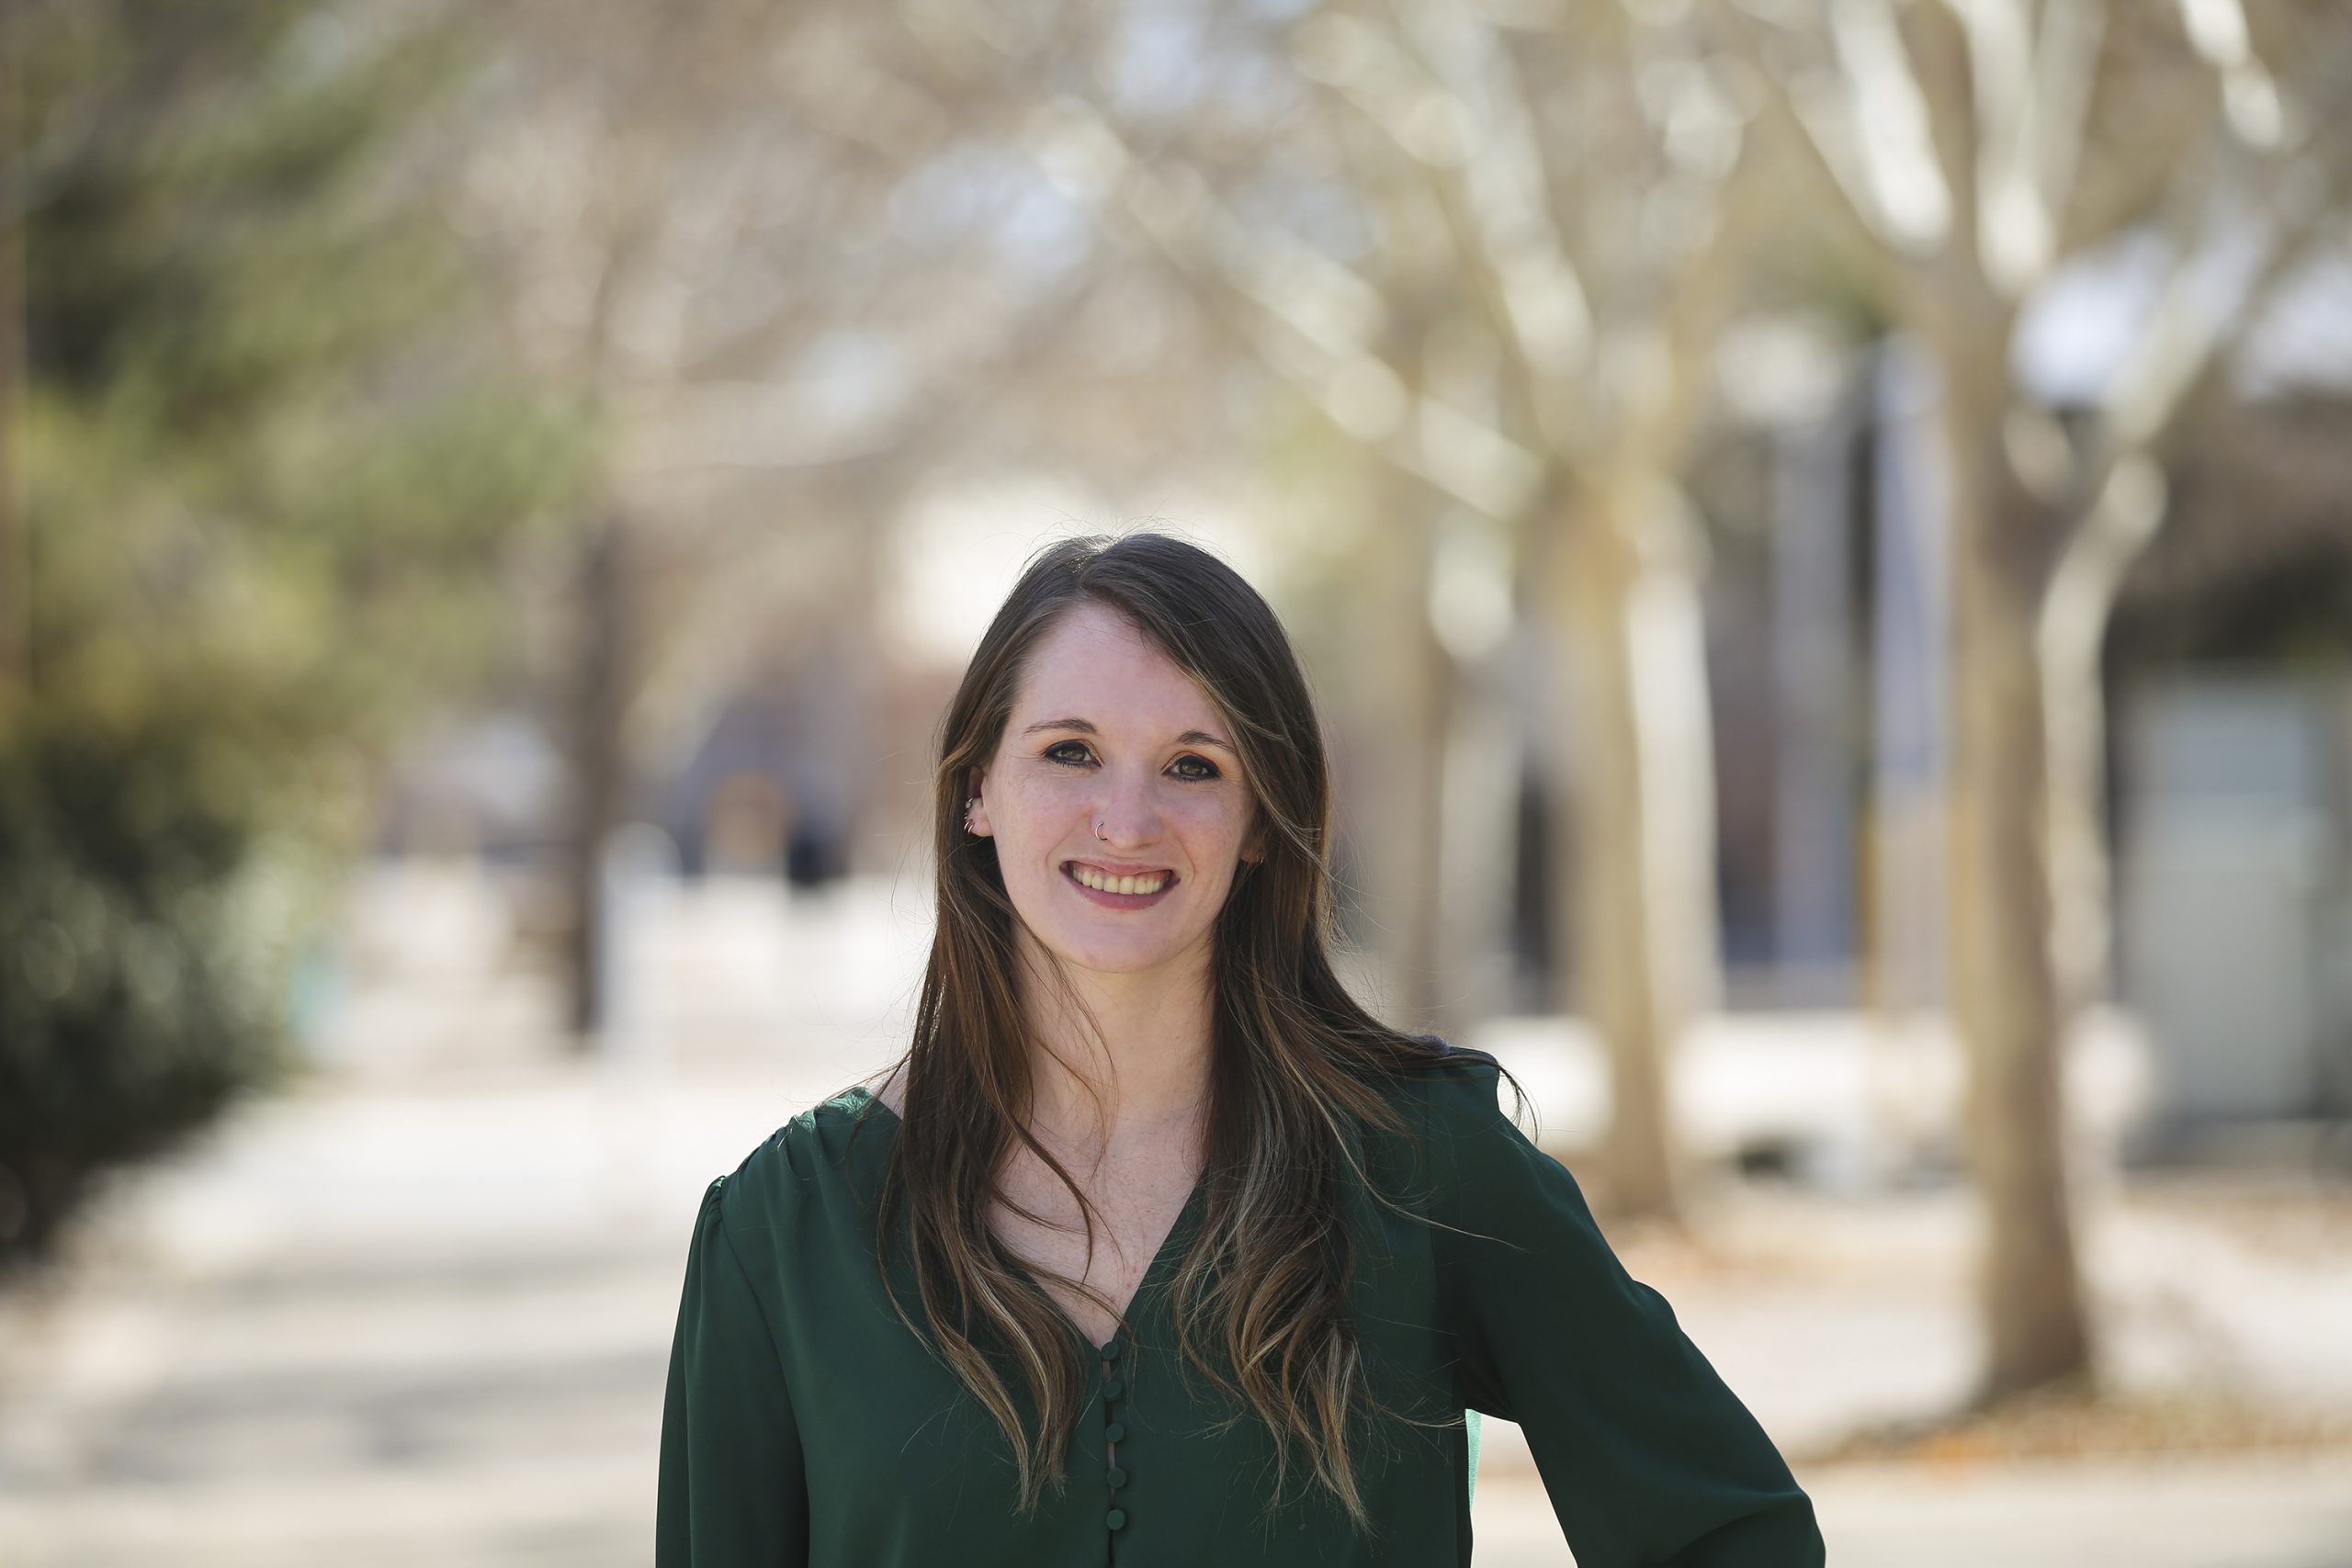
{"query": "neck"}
(1138, 1068)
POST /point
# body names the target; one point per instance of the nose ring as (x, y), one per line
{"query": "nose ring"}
(1098, 827)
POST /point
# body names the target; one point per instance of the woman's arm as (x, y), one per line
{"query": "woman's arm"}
(1650, 1460)
(732, 1491)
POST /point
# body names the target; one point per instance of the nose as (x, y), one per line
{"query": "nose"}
(1128, 812)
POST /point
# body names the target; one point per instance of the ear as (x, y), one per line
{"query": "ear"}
(977, 818)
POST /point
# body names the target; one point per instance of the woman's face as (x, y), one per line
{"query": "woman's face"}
(1105, 731)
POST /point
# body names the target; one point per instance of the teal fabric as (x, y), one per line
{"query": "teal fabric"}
(806, 1427)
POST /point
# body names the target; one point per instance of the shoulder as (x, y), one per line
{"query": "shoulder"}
(819, 1163)
(1477, 1152)
(1452, 1104)
(1458, 1089)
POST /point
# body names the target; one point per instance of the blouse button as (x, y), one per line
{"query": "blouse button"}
(1116, 1517)
(1118, 1477)
(1111, 1351)
(1114, 1432)
(1115, 1388)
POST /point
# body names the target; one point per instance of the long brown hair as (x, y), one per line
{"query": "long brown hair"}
(1297, 1062)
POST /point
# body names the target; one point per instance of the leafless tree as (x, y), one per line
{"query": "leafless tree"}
(768, 246)
(1967, 150)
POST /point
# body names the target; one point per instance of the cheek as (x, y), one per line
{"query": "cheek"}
(1044, 805)
(1212, 830)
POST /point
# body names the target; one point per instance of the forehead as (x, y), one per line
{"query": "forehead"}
(1093, 664)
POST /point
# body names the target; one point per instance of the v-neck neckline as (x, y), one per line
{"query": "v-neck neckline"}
(1162, 1261)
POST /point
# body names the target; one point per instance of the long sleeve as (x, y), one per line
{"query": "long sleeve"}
(1650, 1460)
(732, 1492)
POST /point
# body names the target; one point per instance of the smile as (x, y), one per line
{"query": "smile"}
(1126, 891)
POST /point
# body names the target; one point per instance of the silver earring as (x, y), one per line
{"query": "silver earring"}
(969, 806)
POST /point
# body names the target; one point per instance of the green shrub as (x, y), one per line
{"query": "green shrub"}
(148, 926)
(274, 464)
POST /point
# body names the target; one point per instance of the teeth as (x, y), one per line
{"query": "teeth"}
(1128, 885)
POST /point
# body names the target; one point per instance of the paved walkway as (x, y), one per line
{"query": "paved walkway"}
(419, 1312)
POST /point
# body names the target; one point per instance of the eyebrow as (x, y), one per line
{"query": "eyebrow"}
(1190, 736)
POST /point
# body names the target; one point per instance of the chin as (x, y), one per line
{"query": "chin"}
(1115, 958)
(1082, 946)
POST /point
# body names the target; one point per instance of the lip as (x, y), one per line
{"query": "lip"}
(1118, 900)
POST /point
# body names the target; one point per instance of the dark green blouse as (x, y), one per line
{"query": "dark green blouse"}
(806, 1425)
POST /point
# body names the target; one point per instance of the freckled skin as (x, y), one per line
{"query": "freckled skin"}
(1042, 795)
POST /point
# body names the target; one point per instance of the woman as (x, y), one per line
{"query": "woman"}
(1157, 1248)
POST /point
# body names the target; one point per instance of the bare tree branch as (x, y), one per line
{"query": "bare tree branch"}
(2066, 67)
(1801, 104)
(1910, 200)
(1311, 320)
(1502, 177)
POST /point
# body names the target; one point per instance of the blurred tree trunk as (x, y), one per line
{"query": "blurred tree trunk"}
(15, 540)
(2075, 615)
(596, 706)
(2004, 989)
(1640, 935)
(1408, 721)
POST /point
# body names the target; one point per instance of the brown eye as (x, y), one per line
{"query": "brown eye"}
(1054, 752)
(1208, 770)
